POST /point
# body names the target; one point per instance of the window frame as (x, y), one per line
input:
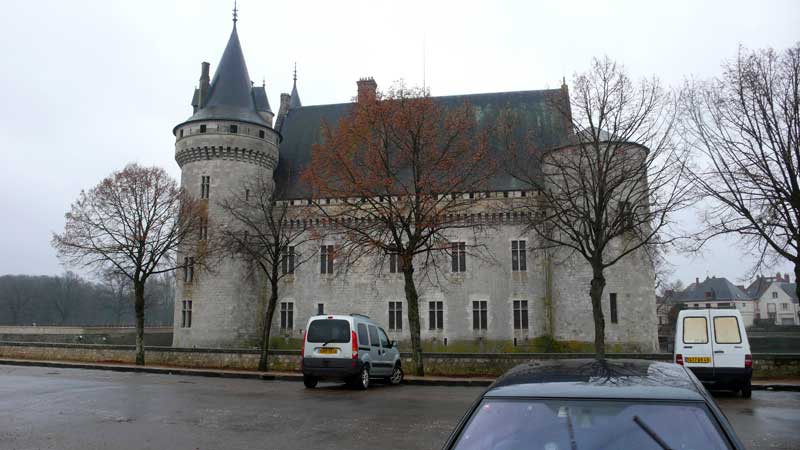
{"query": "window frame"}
(613, 307)
(186, 314)
(520, 313)
(683, 335)
(395, 316)
(519, 260)
(458, 257)
(738, 330)
(326, 259)
(435, 315)
(287, 315)
(480, 310)
(287, 262)
(374, 339)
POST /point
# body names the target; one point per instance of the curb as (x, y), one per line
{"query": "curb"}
(410, 381)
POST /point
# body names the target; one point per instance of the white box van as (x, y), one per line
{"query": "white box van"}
(351, 348)
(713, 344)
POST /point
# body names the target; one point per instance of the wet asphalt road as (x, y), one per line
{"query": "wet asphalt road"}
(45, 408)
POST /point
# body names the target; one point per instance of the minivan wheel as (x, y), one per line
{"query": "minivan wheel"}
(309, 381)
(397, 376)
(747, 389)
(363, 378)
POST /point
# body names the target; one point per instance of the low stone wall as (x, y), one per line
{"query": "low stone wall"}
(445, 364)
(154, 336)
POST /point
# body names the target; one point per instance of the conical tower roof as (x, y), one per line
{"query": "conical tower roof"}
(231, 94)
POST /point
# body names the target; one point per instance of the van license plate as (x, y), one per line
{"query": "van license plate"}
(327, 351)
(698, 359)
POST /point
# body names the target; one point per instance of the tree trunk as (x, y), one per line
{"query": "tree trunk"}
(138, 288)
(263, 361)
(412, 298)
(596, 293)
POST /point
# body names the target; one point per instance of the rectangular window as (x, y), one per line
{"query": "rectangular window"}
(395, 316)
(261, 134)
(771, 311)
(774, 295)
(374, 340)
(435, 315)
(363, 336)
(205, 186)
(479, 315)
(203, 229)
(246, 194)
(186, 314)
(320, 309)
(520, 314)
(726, 330)
(695, 330)
(394, 262)
(613, 301)
(519, 262)
(188, 270)
(287, 315)
(181, 132)
(287, 262)
(458, 256)
(202, 128)
(785, 306)
(234, 128)
(326, 259)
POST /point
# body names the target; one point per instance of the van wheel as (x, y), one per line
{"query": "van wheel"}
(309, 381)
(747, 389)
(362, 381)
(397, 376)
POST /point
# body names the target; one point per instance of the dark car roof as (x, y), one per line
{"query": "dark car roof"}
(590, 378)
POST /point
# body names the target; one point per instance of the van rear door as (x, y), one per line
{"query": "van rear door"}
(729, 345)
(328, 338)
(694, 343)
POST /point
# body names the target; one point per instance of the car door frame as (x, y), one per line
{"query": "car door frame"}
(375, 352)
(697, 349)
(728, 355)
(387, 358)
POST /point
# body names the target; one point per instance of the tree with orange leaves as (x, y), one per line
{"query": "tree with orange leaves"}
(392, 176)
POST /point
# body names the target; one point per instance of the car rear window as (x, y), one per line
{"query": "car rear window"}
(695, 330)
(597, 424)
(329, 330)
(726, 330)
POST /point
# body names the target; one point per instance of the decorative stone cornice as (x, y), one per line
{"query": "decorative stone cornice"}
(245, 155)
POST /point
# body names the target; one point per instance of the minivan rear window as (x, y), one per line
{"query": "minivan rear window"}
(329, 330)
(726, 330)
(695, 330)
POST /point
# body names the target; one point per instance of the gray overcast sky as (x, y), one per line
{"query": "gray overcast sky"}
(89, 86)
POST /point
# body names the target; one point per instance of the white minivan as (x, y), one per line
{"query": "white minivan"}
(713, 344)
(351, 347)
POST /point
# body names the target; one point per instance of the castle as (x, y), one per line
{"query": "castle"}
(234, 134)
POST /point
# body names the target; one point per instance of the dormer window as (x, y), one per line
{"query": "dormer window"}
(202, 128)
(234, 128)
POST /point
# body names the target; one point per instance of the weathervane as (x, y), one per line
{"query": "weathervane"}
(235, 12)
(294, 77)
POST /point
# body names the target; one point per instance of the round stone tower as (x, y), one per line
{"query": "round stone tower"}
(227, 140)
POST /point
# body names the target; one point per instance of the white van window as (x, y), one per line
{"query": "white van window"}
(726, 330)
(363, 338)
(695, 330)
(373, 336)
(329, 331)
(384, 338)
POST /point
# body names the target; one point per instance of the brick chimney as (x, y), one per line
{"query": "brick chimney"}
(367, 88)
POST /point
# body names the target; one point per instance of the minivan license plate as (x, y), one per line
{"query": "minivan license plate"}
(698, 359)
(327, 351)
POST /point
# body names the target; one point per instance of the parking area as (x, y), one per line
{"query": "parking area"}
(45, 408)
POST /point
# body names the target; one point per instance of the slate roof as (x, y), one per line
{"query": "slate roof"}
(791, 290)
(232, 95)
(294, 100)
(721, 289)
(535, 110)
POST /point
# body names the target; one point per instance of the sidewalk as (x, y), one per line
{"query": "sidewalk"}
(782, 384)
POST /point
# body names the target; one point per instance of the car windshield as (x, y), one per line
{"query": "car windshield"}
(589, 425)
(329, 331)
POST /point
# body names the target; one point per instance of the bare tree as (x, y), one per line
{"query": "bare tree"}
(16, 296)
(747, 125)
(132, 222)
(117, 295)
(397, 168)
(611, 192)
(65, 296)
(266, 234)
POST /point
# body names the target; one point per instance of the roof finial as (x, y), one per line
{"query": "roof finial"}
(294, 76)
(235, 13)
(263, 81)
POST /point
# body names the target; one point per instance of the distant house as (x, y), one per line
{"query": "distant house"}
(718, 293)
(778, 302)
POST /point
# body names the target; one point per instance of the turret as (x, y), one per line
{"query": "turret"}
(228, 139)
